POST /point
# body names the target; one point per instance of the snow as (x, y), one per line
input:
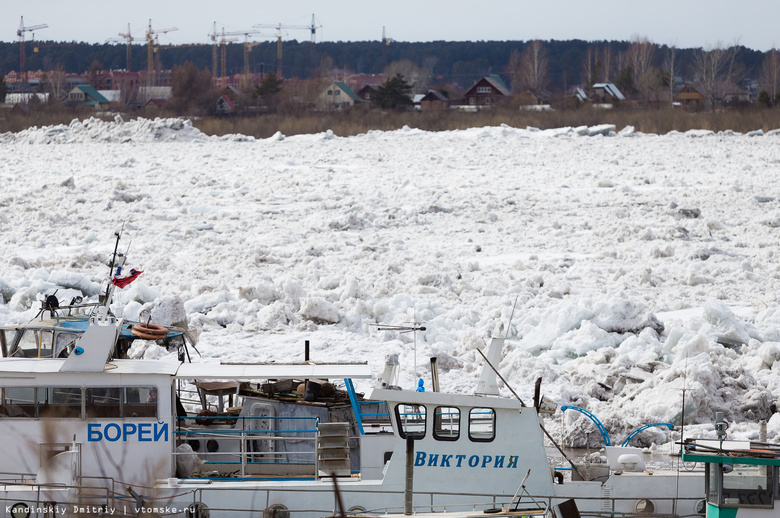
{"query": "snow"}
(629, 271)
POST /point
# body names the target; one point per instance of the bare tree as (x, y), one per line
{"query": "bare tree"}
(589, 67)
(606, 63)
(639, 57)
(414, 74)
(670, 68)
(512, 70)
(57, 84)
(770, 73)
(533, 66)
(711, 68)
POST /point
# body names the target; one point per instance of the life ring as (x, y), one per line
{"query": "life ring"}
(149, 331)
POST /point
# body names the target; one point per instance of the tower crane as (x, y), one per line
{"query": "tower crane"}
(150, 43)
(213, 38)
(223, 41)
(247, 44)
(20, 32)
(129, 40)
(279, 27)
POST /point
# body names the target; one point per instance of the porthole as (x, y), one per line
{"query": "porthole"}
(276, 511)
(20, 510)
(197, 510)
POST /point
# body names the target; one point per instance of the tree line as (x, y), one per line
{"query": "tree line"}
(559, 65)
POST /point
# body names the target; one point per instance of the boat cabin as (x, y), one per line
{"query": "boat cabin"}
(741, 479)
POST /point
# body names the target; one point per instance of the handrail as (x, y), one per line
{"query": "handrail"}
(642, 429)
(602, 430)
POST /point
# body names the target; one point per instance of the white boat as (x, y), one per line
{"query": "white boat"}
(92, 433)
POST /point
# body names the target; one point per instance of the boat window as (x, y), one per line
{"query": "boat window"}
(30, 341)
(446, 423)
(59, 402)
(110, 402)
(411, 421)
(748, 486)
(63, 344)
(482, 424)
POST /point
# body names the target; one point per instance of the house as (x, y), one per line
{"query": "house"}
(434, 100)
(228, 100)
(690, 96)
(367, 92)
(700, 95)
(337, 96)
(532, 98)
(85, 95)
(486, 92)
(607, 93)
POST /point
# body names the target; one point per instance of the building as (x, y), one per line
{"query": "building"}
(606, 93)
(85, 95)
(337, 96)
(367, 92)
(486, 92)
(434, 100)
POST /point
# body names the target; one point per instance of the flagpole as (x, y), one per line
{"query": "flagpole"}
(111, 268)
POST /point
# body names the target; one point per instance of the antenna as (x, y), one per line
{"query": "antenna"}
(413, 328)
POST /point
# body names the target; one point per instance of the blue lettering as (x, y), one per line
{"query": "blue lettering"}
(512, 461)
(420, 460)
(112, 426)
(474, 461)
(445, 460)
(486, 459)
(144, 431)
(433, 459)
(499, 461)
(159, 432)
(93, 434)
(128, 429)
(460, 459)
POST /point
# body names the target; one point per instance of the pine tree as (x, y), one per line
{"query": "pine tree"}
(394, 93)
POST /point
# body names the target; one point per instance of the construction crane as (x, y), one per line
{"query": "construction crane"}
(20, 33)
(129, 40)
(223, 41)
(247, 44)
(213, 38)
(150, 44)
(279, 27)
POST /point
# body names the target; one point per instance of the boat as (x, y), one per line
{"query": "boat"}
(741, 477)
(90, 431)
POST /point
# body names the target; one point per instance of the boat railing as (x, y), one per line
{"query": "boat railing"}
(248, 446)
(91, 493)
(358, 504)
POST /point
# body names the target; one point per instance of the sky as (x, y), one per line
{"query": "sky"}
(681, 23)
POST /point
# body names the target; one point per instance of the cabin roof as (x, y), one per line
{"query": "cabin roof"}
(272, 371)
(443, 399)
(21, 366)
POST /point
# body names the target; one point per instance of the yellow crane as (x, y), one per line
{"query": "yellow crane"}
(223, 50)
(279, 27)
(20, 32)
(247, 44)
(129, 40)
(150, 49)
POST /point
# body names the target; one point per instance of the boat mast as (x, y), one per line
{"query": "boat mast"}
(110, 285)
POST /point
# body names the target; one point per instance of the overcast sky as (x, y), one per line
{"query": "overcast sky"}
(683, 23)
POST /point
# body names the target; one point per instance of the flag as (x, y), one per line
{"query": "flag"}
(121, 282)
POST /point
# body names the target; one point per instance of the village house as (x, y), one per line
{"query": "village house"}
(606, 93)
(367, 92)
(434, 100)
(487, 91)
(337, 96)
(85, 95)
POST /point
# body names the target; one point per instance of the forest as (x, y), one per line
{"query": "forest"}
(444, 62)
